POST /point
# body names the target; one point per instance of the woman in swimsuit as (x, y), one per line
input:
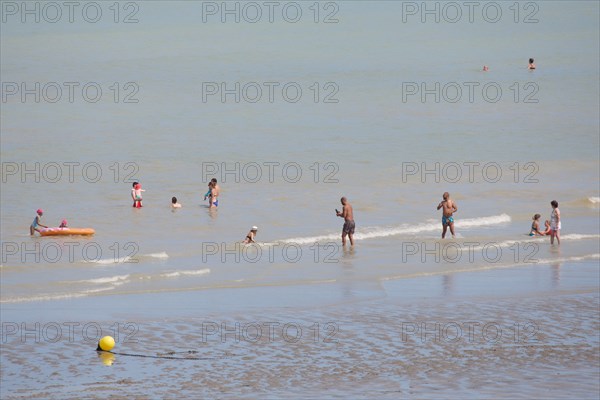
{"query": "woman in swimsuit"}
(535, 226)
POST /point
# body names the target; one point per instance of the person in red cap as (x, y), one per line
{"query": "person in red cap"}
(63, 224)
(37, 221)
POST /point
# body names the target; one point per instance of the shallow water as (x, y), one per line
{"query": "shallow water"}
(410, 337)
(283, 166)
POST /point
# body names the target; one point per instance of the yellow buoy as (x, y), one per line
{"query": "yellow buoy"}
(106, 343)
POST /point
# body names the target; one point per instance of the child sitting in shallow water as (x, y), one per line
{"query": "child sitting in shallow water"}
(251, 235)
(547, 228)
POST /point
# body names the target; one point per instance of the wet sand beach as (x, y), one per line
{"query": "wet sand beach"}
(429, 337)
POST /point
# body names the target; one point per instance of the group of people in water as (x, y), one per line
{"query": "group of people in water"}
(448, 206)
(551, 228)
(37, 222)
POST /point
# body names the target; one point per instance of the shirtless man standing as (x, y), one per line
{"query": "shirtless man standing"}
(349, 225)
(449, 207)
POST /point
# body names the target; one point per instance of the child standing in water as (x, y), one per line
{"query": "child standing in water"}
(554, 222)
(137, 195)
(37, 221)
(208, 195)
(215, 191)
(133, 192)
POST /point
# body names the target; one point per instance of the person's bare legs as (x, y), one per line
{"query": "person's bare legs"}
(444, 230)
(351, 239)
(344, 238)
(451, 225)
(555, 233)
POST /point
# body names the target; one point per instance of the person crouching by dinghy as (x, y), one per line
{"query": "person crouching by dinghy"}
(37, 221)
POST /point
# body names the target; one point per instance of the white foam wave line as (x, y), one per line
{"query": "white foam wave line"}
(578, 236)
(106, 261)
(42, 298)
(495, 266)
(122, 260)
(110, 279)
(62, 296)
(594, 200)
(534, 239)
(162, 254)
(90, 291)
(175, 274)
(573, 258)
(404, 229)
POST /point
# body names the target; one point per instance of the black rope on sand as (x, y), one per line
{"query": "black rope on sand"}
(165, 356)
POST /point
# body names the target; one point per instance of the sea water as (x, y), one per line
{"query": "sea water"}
(392, 113)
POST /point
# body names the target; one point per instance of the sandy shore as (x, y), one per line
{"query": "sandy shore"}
(533, 341)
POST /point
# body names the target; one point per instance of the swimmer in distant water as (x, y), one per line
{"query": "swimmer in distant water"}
(37, 221)
(531, 64)
(486, 68)
(174, 203)
(535, 226)
(449, 207)
(63, 224)
(251, 235)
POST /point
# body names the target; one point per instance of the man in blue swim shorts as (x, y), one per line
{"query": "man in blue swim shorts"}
(349, 225)
(449, 207)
